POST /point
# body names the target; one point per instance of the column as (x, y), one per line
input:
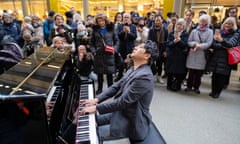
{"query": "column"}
(178, 7)
(24, 8)
(85, 9)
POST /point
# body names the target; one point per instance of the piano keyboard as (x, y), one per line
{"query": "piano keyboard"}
(54, 93)
(86, 132)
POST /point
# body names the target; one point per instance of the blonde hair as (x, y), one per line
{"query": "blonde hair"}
(56, 39)
(230, 19)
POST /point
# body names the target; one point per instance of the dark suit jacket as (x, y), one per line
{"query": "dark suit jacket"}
(130, 108)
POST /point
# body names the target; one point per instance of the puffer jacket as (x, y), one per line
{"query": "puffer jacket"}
(219, 59)
(104, 62)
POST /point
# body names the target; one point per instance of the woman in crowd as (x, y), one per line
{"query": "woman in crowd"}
(176, 56)
(225, 38)
(103, 34)
(142, 31)
(117, 21)
(61, 29)
(199, 40)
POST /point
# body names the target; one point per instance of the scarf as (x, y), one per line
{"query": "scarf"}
(202, 29)
(160, 35)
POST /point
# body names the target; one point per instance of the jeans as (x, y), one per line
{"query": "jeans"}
(103, 122)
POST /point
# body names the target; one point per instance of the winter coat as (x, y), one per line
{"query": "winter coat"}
(12, 29)
(196, 60)
(104, 62)
(219, 59)
(177, 54)
(153, 37)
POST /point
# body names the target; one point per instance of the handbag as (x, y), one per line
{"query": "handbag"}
(233, 55)
(108, 48)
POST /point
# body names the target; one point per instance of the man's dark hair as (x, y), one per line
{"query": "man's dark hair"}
(69, 14)
(169, 14)
(51, 13)
(151, 48)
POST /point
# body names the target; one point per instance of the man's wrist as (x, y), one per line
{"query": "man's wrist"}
(96, 100)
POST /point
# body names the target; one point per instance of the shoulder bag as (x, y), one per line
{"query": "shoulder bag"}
(233, 55)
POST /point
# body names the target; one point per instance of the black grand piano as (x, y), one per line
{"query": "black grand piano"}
(45, 76)
(23, 92)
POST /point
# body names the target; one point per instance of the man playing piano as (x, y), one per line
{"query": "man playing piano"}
(127, 115)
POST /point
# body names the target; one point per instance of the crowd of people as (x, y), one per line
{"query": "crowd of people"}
(182, 43)
(175, 50)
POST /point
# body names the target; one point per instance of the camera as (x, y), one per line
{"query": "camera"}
(141, 25)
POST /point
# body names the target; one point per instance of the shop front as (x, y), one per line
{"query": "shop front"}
(212, 7)
(24, 7)
(85, 7)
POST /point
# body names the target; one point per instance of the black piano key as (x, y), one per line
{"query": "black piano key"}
(83, 123)
(83, 135)
(82, 128)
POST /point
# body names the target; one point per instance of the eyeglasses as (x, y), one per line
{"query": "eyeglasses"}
(232, 11)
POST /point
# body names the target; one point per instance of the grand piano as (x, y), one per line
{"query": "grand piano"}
(45, 76)
(23, 92)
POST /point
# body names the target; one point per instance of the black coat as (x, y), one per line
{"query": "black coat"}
(104, 63)
(152, 35)
(219, 59)
(177, 54)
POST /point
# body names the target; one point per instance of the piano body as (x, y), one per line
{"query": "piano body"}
(46, 75)
(23, 92)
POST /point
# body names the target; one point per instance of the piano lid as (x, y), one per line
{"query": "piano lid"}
(35, 74)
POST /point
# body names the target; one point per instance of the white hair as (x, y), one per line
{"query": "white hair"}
(182, 22)
(232, 20)
(205, 17)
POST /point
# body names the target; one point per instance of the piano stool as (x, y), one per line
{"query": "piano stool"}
(153, 137)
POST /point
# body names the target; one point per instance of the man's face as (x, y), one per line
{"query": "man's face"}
(59, 20)
(151, 16)
(138, 52)
(232, 13)
(126, 19)
(188, 16)
(158, 21)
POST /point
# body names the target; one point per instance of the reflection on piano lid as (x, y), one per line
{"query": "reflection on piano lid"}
(4, 98)
(35, 74)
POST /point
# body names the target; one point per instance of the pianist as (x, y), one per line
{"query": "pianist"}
(127, 115)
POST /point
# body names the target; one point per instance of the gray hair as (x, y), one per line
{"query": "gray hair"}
(230, 19)
(205, 17)
(182, 22)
